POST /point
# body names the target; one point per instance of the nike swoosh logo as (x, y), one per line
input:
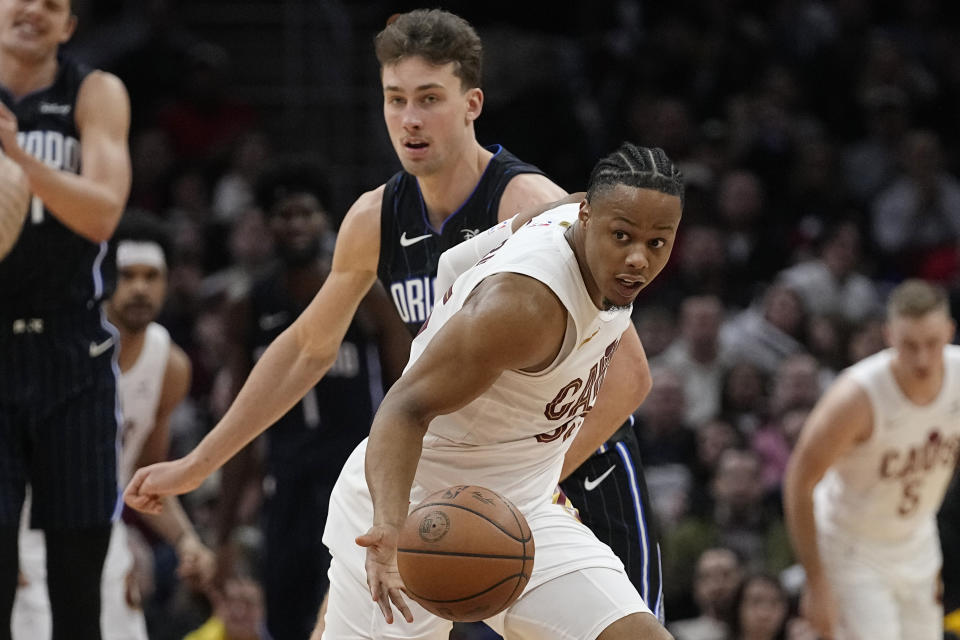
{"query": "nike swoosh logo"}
(406, 242)
(590, 485)
(100, 349)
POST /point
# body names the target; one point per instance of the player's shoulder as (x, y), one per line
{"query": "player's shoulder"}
(848, 400)
(103, 96)
(366, 208)
(526, 190)
(102, 85)
(179, 368)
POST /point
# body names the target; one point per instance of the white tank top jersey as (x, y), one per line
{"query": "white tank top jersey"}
(889, 488)
(512, 438)
(139, 390)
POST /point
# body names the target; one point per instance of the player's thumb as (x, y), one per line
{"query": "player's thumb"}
(370, 538)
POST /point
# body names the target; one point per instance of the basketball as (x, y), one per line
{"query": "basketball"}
(465, 553)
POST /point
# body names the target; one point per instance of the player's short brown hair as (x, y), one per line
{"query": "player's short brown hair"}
(915, 298)
(437, 36)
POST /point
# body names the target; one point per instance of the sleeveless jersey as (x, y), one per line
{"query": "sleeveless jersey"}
(512, 438)
(139, 389)
(52, 268)
(889, 488)
(334, 415)
(410, 246)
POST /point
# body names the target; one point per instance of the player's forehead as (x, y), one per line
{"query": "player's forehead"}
(638, 206)
(416, 73)
(140, 270)
(919, 327)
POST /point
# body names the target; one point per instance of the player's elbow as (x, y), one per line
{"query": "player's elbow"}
(103, 225)
(314, 348)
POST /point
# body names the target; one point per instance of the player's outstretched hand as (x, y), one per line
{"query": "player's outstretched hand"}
(819, 607)
(383, 577)
(150, 484)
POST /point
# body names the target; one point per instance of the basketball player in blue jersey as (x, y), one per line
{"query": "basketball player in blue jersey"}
(451, 187)
(309, 444)
(66, 127)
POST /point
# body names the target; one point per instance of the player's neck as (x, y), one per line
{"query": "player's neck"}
(21, 77)
(445, 191)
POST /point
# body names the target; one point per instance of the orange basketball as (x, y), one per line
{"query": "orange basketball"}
(465, 553)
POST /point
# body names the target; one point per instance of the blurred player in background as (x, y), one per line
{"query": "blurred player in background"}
(307, 447)
(66, 127)
(868, 474)
(154, 379)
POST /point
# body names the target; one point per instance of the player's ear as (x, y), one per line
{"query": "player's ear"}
(69, 29)
(584, 213)
(474, 103)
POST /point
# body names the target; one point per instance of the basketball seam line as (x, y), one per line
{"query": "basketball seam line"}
(437, 552)
(477, 513)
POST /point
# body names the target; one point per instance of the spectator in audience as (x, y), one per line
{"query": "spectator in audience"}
(716, 578)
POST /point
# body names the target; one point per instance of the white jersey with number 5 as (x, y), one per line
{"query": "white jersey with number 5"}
(888, 489)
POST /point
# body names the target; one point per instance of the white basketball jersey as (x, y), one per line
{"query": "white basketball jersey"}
(139, 390)
(513, 437)
(889, 488)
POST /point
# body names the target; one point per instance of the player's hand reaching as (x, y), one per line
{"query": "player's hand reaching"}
(150, 484)
(819, 607)
(383, 577)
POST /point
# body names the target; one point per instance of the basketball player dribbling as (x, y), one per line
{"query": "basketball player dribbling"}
(154, 379)
(66, 126)
(451, 187)
(510, 361)
(869, 473)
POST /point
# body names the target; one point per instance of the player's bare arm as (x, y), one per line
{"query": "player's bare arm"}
(509, 322)
(624, 388)
(291, 365)
(528, 192)
(92, 202)
(841, 420)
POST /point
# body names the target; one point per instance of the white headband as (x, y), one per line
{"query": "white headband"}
(148, 254)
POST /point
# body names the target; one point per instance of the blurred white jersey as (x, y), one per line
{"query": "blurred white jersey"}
(513, 437)
(139, 391)
(888, 489)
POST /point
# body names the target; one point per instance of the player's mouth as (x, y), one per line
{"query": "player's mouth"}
(629, 286)
(27, 28)
(415, 146)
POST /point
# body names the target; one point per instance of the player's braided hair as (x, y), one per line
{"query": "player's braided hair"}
(634, 166)
(437, 36)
